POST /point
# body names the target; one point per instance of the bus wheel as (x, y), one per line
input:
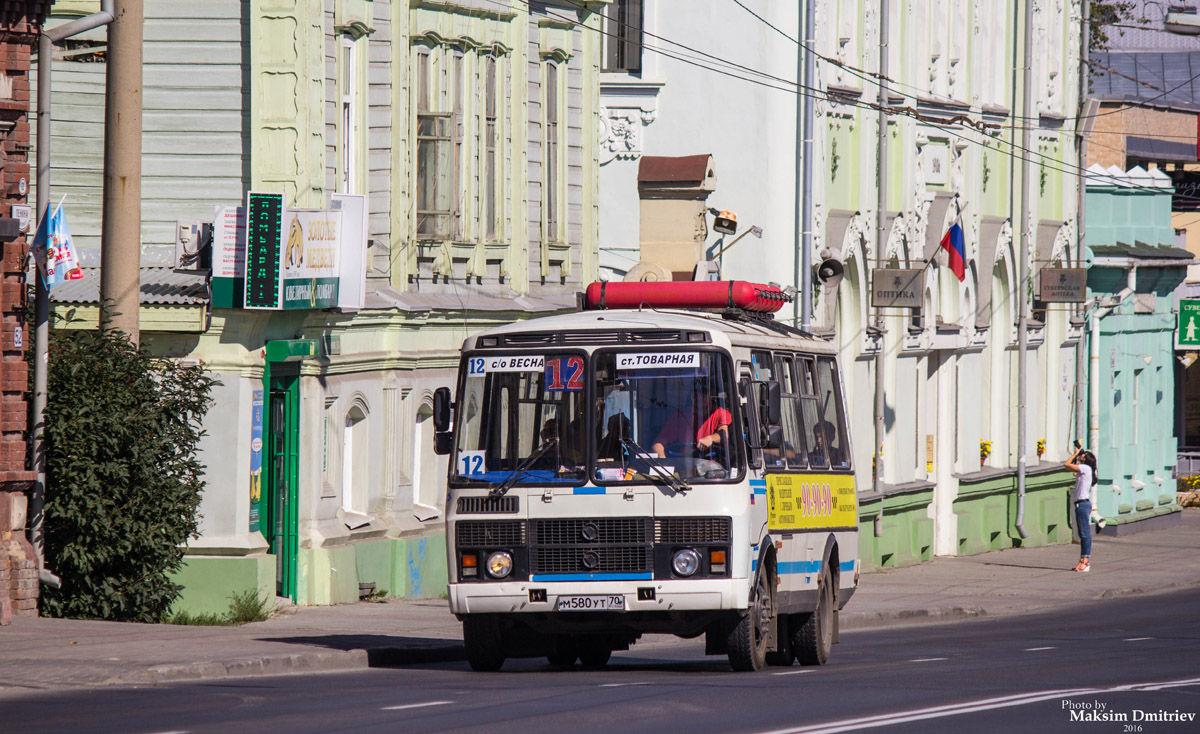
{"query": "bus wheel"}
(594, 652)
(813, 640)
(481, 635)
(748, 640)
(564, 652)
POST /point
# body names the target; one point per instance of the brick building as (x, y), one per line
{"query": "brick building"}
(20, 23)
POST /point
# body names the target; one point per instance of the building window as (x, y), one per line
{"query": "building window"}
(459, 127)
(490, 138)
(350, 137)
(434, 158)
(354, 462)
(623, 37)
(550, 174)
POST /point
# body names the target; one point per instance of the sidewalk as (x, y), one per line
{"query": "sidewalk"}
(43, 654)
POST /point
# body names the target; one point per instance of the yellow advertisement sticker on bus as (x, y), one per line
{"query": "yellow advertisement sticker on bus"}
(800, 501)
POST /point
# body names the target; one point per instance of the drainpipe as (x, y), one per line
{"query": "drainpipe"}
(1023, 276)
(41, 341)
(1094, 357)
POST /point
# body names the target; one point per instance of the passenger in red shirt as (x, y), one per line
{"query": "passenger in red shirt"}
(678, 428)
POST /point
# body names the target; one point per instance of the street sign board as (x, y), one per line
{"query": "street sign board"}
(891, 288)
(1189, 323)
(310, 262)
(1062, 285)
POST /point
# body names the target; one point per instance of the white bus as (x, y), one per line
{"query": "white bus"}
(621, 471)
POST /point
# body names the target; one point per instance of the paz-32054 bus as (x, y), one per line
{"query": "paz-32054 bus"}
(668, 459)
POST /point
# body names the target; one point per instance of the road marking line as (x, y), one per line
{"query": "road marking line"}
(1137, 639)
(415, 705)
(792, 672)
(621, 685)
(926, 660)
(987, 704)
(1039, 649)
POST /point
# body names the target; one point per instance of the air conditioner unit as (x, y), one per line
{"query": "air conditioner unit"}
(193, 245)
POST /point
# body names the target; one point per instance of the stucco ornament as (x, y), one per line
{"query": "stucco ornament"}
(895, 248)
(1061, 250)
(621, 132)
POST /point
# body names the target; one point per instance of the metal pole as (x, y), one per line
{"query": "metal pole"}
(120, 242)
(806, 240)
(1023, 271)
(1080, 347)
(881, 237)
(41, 305)
(800, 158)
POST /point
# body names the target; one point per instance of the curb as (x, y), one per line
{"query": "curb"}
(314, 662)
(854, 621)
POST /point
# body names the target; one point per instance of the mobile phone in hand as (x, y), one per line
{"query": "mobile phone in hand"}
(1077, 446)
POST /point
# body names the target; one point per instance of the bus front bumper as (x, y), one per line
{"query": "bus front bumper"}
(677, 595)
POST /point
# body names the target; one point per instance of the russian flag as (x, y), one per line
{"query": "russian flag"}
(952, 242)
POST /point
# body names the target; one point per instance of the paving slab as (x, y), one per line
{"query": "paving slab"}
(49, 654)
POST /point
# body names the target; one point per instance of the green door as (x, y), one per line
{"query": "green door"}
(282, 478)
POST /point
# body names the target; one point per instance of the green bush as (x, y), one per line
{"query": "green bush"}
(123, 480)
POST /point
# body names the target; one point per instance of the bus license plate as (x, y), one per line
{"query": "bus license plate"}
(605, 603)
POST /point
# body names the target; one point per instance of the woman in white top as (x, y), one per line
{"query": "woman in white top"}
(1083, 463)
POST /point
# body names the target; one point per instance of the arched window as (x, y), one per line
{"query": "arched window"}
(428, 469)
(354, 460)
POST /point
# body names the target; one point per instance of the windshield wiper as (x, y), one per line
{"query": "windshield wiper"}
(522, 468)
(676, 483)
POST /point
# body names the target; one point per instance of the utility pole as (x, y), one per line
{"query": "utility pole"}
(1023, 269)
(880, 246)
(810, 79)
(121, 241)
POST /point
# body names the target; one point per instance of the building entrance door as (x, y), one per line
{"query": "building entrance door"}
(281, 477)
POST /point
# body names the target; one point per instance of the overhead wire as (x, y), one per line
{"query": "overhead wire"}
(943, 123)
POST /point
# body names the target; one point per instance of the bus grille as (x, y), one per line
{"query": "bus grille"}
(489, 533)
(488, 505)
(691, 530)
(592, 545)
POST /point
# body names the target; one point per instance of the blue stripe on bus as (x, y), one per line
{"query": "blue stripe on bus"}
(759, 486)
(589, 490)
(809, 567)
(592, 577)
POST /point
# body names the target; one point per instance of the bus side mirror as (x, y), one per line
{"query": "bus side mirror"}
(441, 409)
(772, 437)
(769, 403)
(443, 442)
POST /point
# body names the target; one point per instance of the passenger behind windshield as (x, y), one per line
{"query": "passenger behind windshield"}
(656, 418)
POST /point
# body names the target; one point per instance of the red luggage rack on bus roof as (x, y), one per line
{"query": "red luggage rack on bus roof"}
(755, 299)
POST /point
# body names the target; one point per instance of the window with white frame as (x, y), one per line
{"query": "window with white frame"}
(459, 126)
(428, 469)
(435, 177)
(350, 137)
(491, 177)
(550, 160)
(354, 464)
(624, 24)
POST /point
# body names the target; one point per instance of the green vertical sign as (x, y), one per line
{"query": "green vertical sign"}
(264, 231)
(1189, 323)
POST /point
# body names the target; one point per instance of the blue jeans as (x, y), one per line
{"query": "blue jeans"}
(1083, 525)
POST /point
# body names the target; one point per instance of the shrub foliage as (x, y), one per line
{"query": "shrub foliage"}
(123, 479)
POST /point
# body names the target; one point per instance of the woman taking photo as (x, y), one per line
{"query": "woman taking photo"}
(1083, 463)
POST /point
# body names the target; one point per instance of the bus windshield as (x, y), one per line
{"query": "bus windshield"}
(664, 413)
(522, 414)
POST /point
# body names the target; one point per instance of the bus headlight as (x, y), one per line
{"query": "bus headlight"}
(686, 562)
(499, 564)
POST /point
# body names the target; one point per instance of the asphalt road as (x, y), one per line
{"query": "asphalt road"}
(1122, 657)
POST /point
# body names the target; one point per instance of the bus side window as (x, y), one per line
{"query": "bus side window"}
(810, 417)
(750, 423)
(792, 450)
(762, 366)
(832, 414)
